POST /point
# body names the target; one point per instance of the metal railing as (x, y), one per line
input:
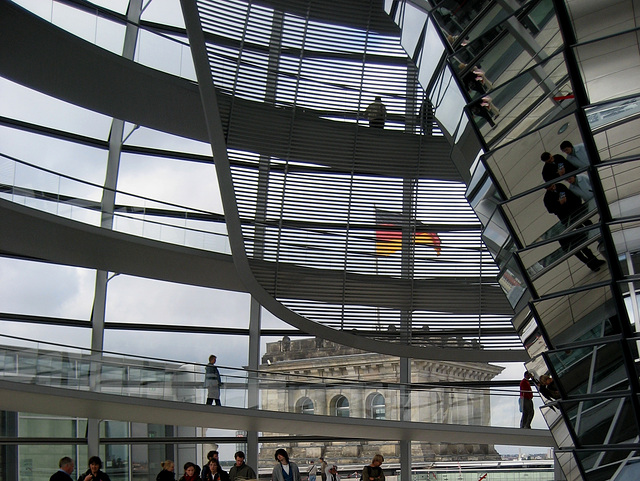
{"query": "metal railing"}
(80, 369)
(72, 198)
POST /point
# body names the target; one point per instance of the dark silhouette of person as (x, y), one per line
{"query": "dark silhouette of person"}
(376, 113)
(559, 200)
(555, 166)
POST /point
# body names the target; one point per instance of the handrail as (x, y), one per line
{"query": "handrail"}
(126, 213)
(57, 365)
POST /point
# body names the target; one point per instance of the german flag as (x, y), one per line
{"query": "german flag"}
(389, 233)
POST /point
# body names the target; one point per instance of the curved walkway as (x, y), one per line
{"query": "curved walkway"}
(15, 396)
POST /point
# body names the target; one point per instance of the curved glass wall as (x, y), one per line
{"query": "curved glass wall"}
(541, 81)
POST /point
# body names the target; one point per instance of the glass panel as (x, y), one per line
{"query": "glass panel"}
(86, 163)
(609, 115)
(521, 104)
(449, 102)
(618, 139)
(500, 54)
(532, 339)
(497, 239)
(559, 429)
(592, 420)
(18, 103)
(626, 239)
(430, 55)
(512, 282)
(569, 466)
(548, 214)
(578, 316)
(43, 289)
(517, 166)
(608, 79)
(521, 319)
(621, 184)
(469, 50)
(487, 23)
(170, 180)
(612, 17)
(574, 263)
(454, 20)
(614, 464)
(167, 13)
(590, 369)
(413, 22)
(85, 24)
(626, 426)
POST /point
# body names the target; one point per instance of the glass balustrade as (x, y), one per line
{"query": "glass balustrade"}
(78, 200)
(53, 365)
(106, 29)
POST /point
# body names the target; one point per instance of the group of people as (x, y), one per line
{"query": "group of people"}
(547, 388)
(284, 470)
(565, 201)
(212, 470)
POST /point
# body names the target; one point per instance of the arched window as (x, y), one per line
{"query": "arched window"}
(305, 406)
(376, 408)
(341, 407)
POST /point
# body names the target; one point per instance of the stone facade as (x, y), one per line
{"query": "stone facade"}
(325, 361)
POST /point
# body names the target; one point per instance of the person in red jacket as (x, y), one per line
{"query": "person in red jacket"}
(526, 400)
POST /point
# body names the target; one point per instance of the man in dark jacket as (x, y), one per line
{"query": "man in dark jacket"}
(555, 166)
(64, 473)
(559, 200)
(240, 471)
(205, 469)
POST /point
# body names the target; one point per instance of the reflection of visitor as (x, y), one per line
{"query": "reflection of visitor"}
(475, 80)
(485, 109)
(376, 113)
(576, 154)
(559, 200)
(555, 166)
(581, 186)
(548, 388)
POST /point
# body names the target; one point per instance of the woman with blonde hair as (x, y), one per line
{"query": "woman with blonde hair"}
(374, 472)
(167, 473)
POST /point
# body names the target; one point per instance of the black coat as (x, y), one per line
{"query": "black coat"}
(100, 476)
(221, 475)
(166, 475)
(562, 210)
(550, 169)
(60, 476)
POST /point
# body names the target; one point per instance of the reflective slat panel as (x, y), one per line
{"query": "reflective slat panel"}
(388, 238)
